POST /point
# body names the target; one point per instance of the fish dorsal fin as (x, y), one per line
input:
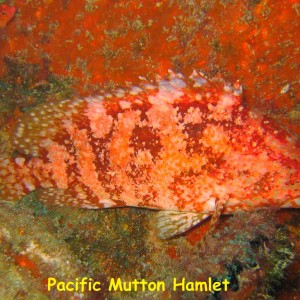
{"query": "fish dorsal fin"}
(171, 223)
(39, 124)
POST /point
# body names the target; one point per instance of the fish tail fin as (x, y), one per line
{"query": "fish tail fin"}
(15, 179)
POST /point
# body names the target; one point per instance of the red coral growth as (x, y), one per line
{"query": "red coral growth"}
(196, 235)
(6, 14)
(101, 42)
(172, 252)
(25, 262)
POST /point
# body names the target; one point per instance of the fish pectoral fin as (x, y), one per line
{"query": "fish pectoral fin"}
(171, 223)
(220, 205)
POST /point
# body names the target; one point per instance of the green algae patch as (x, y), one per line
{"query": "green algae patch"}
(25, 85)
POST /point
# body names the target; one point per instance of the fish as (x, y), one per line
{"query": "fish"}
(6, 14)
(185, 146)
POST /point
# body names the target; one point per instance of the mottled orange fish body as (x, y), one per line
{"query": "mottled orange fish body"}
(179, 144)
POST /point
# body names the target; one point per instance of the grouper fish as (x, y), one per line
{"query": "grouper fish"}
(186, 146)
